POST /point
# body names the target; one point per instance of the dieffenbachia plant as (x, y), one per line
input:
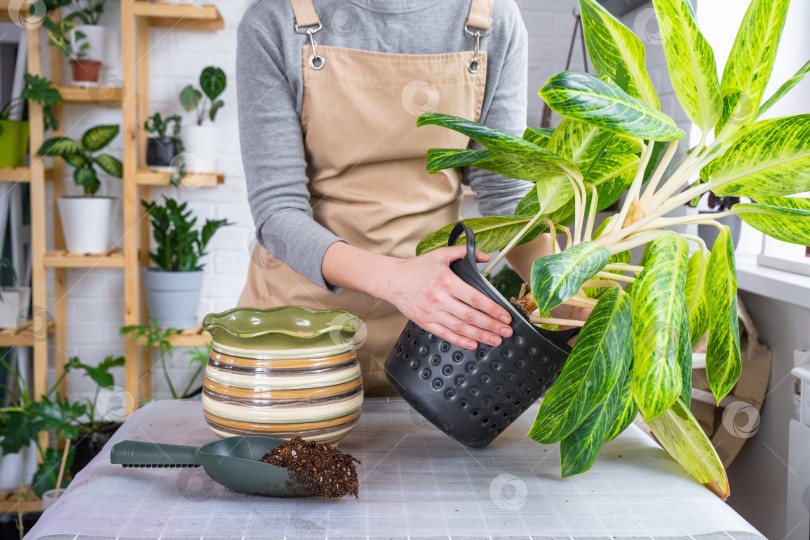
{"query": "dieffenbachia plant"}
(633, 353)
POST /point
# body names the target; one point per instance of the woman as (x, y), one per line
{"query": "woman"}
(329, 92)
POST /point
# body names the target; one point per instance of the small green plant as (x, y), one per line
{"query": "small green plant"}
(154, 336)
(179, 245)
(87, 11)
(63, 35)
(205, 102)
(39, 90)
(21, 424)
(158, 126)
(84, 158)
(634, 353)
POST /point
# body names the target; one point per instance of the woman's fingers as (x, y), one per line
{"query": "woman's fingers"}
(451, 337)
(476, 299)
(476, 324)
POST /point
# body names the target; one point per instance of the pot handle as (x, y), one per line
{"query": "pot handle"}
(145, 454)
(455, 234)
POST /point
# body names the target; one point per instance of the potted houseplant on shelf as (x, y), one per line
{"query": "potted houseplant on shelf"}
(86, 220)
(200, 138)
(85, 16)
(633, 353)
(74, 46)
(14, 129)
(161, 146)
(21, 423)
(717, 204)
(173, 288)
(159, 338)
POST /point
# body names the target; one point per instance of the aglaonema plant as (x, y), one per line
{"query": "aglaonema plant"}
(633, 353)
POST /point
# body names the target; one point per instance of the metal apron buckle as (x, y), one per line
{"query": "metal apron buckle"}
(475, 62)
(315, 61)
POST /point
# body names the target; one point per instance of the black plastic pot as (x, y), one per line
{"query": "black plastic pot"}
(473, 396)
(89, 444)
(160, 151)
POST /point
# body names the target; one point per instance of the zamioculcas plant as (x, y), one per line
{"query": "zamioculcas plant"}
(633, 353)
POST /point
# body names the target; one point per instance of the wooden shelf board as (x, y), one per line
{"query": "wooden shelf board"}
(192, 179)
(193, 337)
(65, 259)
(21, 336)
(96, 95)
(19, 174)
(205, 17)
(9, 502)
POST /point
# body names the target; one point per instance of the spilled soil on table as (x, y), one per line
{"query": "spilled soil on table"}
(319, 469)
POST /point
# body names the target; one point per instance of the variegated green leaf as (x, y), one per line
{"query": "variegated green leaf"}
(621, 144)
(682, 437)
(621, 257)
(770, 159)
(695, 294)
(783, 218)
(584, 97)
(520, 167)
(616, 52)
(538, 136)
(723, 363)
(579, 450)
(597, 362)
(628, 410)
(110, 165)
(578, 141)
(750, 62)
(558, 277)
(660, 325)
(691, 63)
(784, 89)
(59, 146)
(612, 175)
(500, 142)
(491, 233)
(98, 137)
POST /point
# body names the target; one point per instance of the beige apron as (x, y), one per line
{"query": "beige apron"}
(366, 166)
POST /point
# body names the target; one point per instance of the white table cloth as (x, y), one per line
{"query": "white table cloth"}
(415, 482)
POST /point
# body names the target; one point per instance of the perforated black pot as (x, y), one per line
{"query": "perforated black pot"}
(473, 396)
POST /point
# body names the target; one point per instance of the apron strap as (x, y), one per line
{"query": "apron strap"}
(480, 15)
(305, 13)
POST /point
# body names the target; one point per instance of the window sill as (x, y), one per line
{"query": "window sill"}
(777, 284)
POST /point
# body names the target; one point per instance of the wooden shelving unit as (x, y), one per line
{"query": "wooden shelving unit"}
(136, 19)
(92, 95)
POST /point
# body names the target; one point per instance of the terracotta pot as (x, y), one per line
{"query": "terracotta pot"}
(283, 372)
(85, 70)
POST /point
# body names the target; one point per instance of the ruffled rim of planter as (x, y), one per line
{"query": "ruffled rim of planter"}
(281, 321)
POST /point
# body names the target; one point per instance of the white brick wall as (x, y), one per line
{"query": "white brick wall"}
(96, 300)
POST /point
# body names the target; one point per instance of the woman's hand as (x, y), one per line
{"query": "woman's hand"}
(425, 290)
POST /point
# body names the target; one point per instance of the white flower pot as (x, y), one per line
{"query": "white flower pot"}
(17, 469)
(98, 37)
(86, 222)
(172, 298)
(14, 306)
(200, 144)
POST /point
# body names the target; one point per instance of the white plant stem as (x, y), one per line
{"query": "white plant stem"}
(580, 195)
(601, 283)
(631, 241)
(617, 277)
(580, 301)
(635, 188)
(512, 243)
(591, 213)
(652, 185)
(624, 267)
(567, 232)
(558, 322)
(553, 233)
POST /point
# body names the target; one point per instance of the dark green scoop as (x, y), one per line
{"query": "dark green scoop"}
(232, 462)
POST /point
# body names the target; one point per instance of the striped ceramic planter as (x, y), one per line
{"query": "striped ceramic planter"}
(283, 372)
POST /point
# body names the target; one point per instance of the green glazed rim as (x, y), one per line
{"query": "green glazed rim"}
(293, 330)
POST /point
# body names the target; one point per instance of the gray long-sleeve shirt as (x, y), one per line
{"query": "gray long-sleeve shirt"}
(269, 90)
